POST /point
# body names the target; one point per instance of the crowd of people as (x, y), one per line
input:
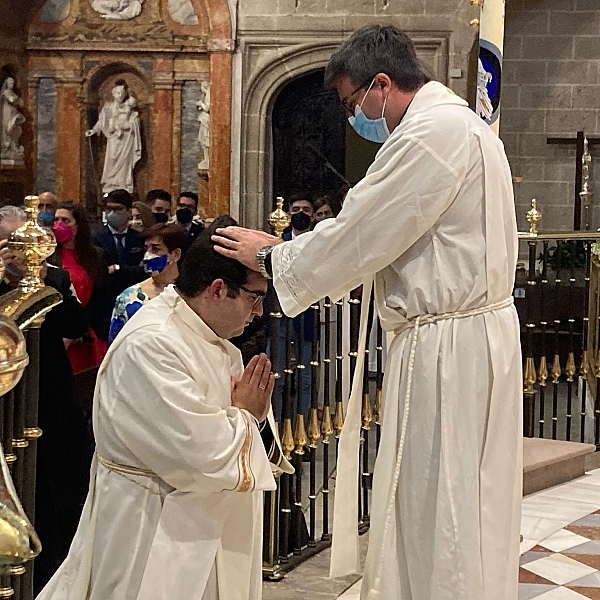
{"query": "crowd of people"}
(105, 275)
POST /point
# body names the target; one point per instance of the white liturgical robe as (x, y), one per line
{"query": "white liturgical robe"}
(433, 222)
(191, 527)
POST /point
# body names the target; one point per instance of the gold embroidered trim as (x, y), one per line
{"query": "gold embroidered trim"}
(247, 483)
(125, 470)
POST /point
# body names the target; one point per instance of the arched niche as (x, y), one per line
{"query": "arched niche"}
(97, 89)
(266, 69)
(256, 197)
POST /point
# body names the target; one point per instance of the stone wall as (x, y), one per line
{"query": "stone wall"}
(279, 40)
(551, 88)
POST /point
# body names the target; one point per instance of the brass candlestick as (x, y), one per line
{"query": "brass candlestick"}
(32, 244)
(586, 194)
(534, 216)
(278, 219)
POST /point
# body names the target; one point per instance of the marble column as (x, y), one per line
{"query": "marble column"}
(162, 146)
(45, 142)
(69, 140)
(220, 133)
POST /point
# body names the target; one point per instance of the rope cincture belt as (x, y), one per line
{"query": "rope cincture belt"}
(425, 319)
(415, 324)
(125, 470)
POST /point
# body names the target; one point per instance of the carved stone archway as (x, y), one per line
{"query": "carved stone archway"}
(267, 65)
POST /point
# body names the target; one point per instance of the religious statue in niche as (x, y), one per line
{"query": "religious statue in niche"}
(204, 120)
(11, 153)
(118, 9)
(483, 106)
(120, 124)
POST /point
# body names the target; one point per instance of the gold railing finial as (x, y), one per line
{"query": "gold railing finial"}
(32, 244)
(534, 216)
(278, 219)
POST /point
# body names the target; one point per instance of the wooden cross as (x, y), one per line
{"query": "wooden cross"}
(578, 141)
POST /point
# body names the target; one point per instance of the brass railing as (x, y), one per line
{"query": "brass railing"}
(557, 298)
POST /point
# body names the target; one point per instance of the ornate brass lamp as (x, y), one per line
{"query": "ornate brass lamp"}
(18, 540)
(534, 216)
(279, 219)
(32, 244)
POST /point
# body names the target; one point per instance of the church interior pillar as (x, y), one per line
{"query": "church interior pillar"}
(69, 134)
(162, 124)
(32, 108)
(220, 134)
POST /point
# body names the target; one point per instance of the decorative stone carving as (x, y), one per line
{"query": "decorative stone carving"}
(120, 123)
(122, 10)
(204, 131)
(11, 153)
(182, 12)
(55, 11)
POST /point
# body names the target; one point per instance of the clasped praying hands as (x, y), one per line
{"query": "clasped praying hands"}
(252, 391)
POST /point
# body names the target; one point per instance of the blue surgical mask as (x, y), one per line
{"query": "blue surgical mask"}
(374, 130)
(154, 263)
(46, 217)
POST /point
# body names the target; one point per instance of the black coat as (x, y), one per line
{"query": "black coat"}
(195, 230)
(130, 271)
(64, 450)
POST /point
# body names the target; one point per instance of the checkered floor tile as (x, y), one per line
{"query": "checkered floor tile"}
(566, 565)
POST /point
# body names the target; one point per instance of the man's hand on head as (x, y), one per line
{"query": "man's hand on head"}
(253, 390)
(243, 244)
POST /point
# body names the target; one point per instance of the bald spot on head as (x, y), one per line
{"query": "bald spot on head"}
(47, 201)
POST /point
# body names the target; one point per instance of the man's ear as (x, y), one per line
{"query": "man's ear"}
(217, 290)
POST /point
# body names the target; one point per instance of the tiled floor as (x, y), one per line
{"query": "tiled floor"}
(560, 552)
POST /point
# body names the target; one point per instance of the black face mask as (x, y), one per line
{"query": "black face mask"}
(300, 221)
(184, 215)
(160, 217)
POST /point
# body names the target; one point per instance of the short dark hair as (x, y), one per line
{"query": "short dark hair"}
(298, 197)
(119, 197)
(157, 194)
(327, 201)
(191, 195)
(376, 49)
(202, 264)
(172, 235)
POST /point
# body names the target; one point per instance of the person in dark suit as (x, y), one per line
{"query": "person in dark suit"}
(64, 452)
(301, 211)
(123, 247)
(187, 209)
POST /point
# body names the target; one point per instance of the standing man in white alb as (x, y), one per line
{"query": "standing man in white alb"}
(433, 222)
(184, 448)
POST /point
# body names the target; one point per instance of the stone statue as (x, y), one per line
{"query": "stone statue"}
(204, 120)
(118, 9)
(483, 104)
(120, 123)
(10, 151)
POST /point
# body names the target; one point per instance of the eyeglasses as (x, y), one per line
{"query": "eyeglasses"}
(344, 100)
(258, 296)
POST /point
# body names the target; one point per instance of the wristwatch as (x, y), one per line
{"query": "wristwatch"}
(262, 257)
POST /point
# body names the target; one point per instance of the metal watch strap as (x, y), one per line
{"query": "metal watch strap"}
(261, 255)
